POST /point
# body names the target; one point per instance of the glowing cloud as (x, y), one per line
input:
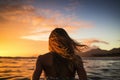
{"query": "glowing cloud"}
(89, 42)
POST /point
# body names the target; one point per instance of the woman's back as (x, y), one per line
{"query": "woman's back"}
(55, 66)
(61, 61)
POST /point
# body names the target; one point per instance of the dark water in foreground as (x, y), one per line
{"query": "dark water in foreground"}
(97, 68)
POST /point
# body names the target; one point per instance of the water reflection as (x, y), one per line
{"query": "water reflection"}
(22, 69)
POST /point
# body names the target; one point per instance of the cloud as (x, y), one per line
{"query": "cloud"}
(50, 18)
(72, 5)
(38, 35)
(14, 9)
(89, 42)
(37, 19)
(47, 25)
(24, 11)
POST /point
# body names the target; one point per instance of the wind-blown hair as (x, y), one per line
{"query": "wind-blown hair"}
(62, 44)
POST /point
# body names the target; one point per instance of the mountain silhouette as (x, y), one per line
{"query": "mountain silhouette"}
(115, 52)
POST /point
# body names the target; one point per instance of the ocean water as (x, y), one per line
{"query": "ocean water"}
(97, 68)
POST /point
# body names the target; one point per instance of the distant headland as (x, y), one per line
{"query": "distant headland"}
(115, 52)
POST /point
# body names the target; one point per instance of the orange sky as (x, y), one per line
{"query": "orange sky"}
(13, 45)
(25, 26)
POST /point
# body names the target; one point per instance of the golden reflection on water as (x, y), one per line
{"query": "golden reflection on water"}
(23, 69)
(16, 68)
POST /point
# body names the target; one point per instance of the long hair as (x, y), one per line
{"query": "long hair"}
(62, 44)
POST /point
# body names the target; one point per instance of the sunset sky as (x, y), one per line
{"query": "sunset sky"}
(25, 25)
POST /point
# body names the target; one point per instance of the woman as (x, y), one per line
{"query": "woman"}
(61, 63)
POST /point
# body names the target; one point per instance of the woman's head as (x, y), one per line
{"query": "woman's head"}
(61, 43)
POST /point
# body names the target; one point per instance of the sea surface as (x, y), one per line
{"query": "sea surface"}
(100, 68)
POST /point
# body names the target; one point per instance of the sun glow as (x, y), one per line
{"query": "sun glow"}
(25, 26)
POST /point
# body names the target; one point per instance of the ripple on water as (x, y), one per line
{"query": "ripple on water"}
(10, 69)
(22, 78)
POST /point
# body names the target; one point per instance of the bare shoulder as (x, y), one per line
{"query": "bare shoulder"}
(44, 56)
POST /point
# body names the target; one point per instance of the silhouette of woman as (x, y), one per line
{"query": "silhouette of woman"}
(61, 63)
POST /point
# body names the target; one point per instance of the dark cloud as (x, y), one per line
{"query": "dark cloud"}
(12, 5)
(16, 8)
(89, 42)
(24, 11)
(99, 41)
(118, 40)
(72, 5)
